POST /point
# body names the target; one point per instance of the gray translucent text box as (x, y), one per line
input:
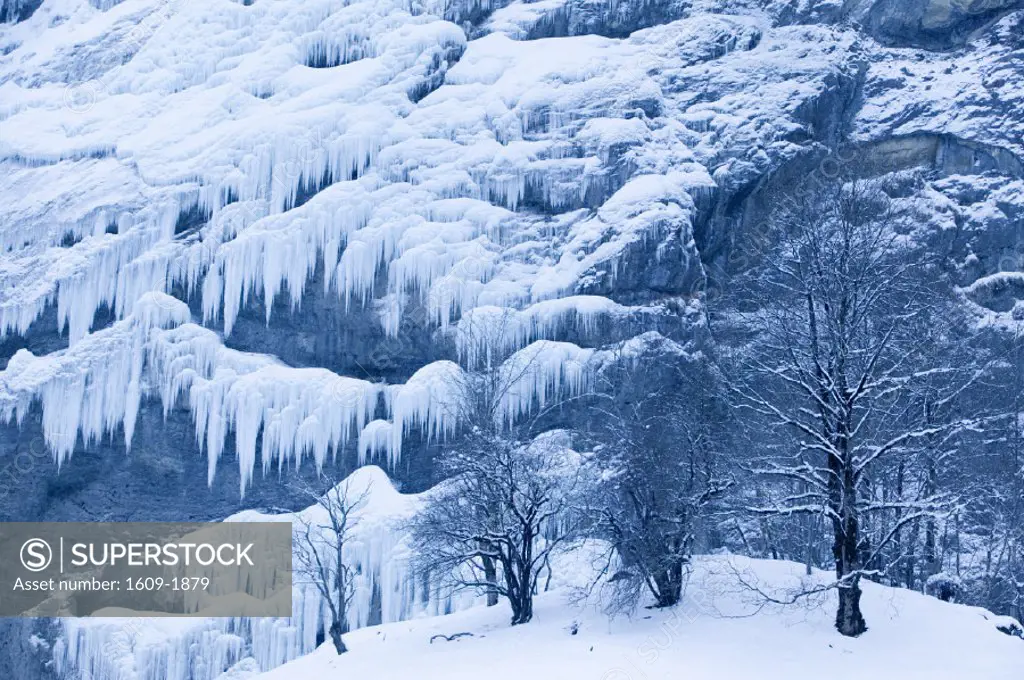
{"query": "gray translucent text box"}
(146, 569)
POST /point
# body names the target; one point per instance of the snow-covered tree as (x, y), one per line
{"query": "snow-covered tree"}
(659, 446)
(992, 524)
(838, 378)
(495, 525)
(509, 499)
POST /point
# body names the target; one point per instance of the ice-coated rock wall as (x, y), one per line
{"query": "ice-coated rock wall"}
(367, 160)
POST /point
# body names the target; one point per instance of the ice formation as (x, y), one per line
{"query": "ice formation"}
(485, 334)
(535, 375)
(96, 387)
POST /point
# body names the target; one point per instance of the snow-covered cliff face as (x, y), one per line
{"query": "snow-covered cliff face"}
(241, 240)
(263, 230)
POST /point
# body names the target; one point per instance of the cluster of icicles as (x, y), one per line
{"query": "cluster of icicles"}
(351, 180)
(355, 182)
(97, 386)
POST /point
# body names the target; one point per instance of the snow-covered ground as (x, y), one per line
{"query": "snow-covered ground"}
(725, 628)
(722, 631)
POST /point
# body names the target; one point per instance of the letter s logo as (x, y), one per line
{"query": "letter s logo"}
(36, 555)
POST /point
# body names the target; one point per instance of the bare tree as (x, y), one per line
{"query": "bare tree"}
(509, 500)
(495, 525)
(659, 446)
(322, 532)
(836, 362)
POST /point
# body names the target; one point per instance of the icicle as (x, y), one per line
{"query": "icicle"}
(541, 372)
(485, 334)
(300, 411)
(92, 388)
(283, 250)
(427, 401)
(100, 270)
(376, 438)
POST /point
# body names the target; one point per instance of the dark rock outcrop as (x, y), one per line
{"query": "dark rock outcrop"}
(932, 24)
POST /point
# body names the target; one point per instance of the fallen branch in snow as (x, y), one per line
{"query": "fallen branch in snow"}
(449, 638)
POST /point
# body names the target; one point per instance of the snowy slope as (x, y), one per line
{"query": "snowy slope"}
(722, 630)
(975, 94)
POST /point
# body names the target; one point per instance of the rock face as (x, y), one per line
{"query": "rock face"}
(206, 206)
(163, 478)
(933, 24)
(18, 10)
(24, 650)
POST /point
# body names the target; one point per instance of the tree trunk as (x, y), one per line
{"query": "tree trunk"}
(846, 528)
(521, 598)
(932, 564)
(490, 576)
(897, 539)
(849, 620)
(808, 539)
(669, 583)
(335, 633)
(523, 613)
(910, 572)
